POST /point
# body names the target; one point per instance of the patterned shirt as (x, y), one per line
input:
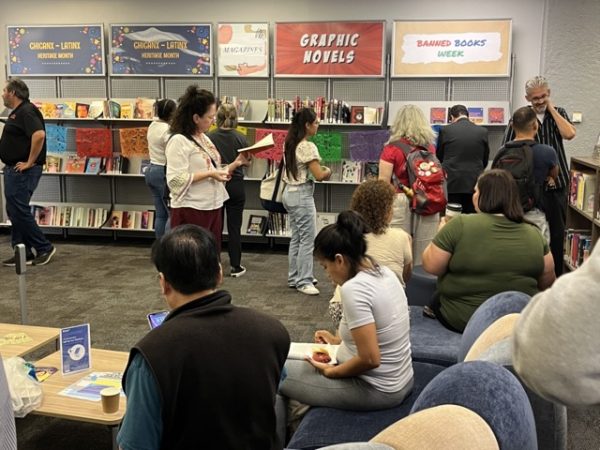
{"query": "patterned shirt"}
(549, 134)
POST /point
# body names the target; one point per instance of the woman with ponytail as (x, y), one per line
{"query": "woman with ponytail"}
(374, 368)
(302, 165)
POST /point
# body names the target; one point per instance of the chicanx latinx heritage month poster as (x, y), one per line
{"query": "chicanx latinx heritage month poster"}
(243, 49)
(183, 50)
(460, 48)
(61, 50)
(329, 49)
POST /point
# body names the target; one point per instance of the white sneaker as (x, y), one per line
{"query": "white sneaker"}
(308, 289)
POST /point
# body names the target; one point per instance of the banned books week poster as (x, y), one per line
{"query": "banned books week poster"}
(243, 49)
(183, 50)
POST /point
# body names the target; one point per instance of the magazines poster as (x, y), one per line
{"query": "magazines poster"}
(243, 49)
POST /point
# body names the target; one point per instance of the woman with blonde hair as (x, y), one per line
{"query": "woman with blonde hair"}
(410, 132)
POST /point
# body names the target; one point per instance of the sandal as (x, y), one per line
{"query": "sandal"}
(428, 312)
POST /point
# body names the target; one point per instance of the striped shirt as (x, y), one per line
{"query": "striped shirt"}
(548, 134)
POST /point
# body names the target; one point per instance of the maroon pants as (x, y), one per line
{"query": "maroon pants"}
(212, 220)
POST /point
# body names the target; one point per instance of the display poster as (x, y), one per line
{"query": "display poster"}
(75, 349)
(183, 50)
(69, 50)
(243, 49)
(462, 48)
(329, 49)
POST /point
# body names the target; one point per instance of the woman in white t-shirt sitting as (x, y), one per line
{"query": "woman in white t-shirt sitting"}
(302, 160)
(374, 368)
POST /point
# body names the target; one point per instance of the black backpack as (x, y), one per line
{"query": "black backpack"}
(516, 157)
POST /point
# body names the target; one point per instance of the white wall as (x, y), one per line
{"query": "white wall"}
(527, 16)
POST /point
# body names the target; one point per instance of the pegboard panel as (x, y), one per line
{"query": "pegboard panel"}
(359, 90)
(340, 197)
(132, 191)
(48, 189)
(87, 189)
(175, 87)
(419, 89)
(486, 89)
(244, 88)
(41, 87)
(83, 87)
(289, 88)
(134, 87)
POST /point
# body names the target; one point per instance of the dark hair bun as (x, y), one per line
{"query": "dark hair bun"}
(352, 223)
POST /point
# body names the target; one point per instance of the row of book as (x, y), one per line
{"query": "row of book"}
(328, 111)
(578, 246)
(582, 190)
(71, 163)
(441, 115)
(276, 224)
(139, 108)
(131, 220)
(242, 106)
(69, 216)
(355, 172)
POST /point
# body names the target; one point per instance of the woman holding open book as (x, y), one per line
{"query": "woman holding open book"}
(194, 173)
(156, 173)
(302, 161)
(374, 367)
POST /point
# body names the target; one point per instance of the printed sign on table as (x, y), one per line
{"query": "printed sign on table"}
(462, 48)
(329, 49)
(76, 50)
(75, 349)
(243, 49)
(183, 50)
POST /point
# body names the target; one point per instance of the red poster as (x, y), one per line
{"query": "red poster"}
(329, 49)
(93, 142)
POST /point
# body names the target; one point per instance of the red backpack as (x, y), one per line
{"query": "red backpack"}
(426, 178)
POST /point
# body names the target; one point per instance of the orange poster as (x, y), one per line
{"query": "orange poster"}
(329, 49)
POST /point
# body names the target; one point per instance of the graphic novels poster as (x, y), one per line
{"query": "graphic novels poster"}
(76, 50)
(183, 50)
(243, 49)
(329, 49)
(460, 48)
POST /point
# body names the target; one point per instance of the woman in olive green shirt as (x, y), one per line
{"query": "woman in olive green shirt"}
(479, 255)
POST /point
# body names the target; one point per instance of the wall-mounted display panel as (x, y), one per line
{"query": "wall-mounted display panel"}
(57, 50)
(460, 48)
(169, 49)
(243, 49)
(329, 49)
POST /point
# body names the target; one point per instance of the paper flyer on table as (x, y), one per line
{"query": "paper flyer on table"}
(75, 349)
(89, 387)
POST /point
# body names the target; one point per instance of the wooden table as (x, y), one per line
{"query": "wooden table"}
(55, 405)
(40, 336)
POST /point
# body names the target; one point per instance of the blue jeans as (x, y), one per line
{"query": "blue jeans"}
(302, 214)
(18, 189)
(157, 182)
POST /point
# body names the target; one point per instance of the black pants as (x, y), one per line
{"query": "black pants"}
(466, 200)
(555, 208)
(234, 208)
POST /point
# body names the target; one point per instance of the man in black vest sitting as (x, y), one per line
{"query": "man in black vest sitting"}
(207, 377)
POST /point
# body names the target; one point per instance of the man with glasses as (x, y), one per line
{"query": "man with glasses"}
(554, 126)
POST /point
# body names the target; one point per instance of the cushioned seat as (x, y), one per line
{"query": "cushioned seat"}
(420, 287)
(430, 341)
(327, 426)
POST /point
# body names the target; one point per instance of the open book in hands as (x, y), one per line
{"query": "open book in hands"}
(265, 143)
(303, 350)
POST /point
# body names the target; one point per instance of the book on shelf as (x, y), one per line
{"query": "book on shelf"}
(582, 190)
(94, 165)
(53, 164)
(495, 115)
(75, 164)
(256, 224)
(82, 110)
(475, 114)
(144, 108)
(371, 116)
(96, 109)
(264, 144)
(351, 171)
(357, 114)
(437, 115)
(278, 224)
(324, 219)
(578, 246)
(371, 170)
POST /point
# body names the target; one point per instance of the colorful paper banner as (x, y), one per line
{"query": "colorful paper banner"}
(367, 145)
(56, 138)
(329, 145)
(55, 50)
(183, 50)
(93, 142)
(329, 49)
(243, 49)
(276, 153)
(134, 142)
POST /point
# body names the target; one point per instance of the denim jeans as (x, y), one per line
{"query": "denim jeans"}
(157, 182)
(300, 205)
(18, 189)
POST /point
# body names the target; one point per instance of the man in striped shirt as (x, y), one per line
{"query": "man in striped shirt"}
(554, 126)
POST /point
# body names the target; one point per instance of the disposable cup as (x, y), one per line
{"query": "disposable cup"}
(110, 400)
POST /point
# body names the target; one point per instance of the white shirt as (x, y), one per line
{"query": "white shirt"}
(305, 153)
(184, 158)
(158, 135)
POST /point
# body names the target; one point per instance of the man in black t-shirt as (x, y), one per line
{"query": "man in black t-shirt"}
(23, 151)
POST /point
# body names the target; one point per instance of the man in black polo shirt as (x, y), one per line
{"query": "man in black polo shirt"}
(554, 126)
(23, 151)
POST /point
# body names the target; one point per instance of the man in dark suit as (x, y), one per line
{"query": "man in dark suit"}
(463, 150)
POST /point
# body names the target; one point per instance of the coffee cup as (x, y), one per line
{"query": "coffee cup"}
(453, 210)
(110, 400)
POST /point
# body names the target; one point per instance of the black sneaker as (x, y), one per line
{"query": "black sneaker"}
(237, 272)
(12, 262)
(44, 258)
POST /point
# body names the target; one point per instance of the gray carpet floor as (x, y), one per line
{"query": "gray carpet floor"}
(113, 285)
